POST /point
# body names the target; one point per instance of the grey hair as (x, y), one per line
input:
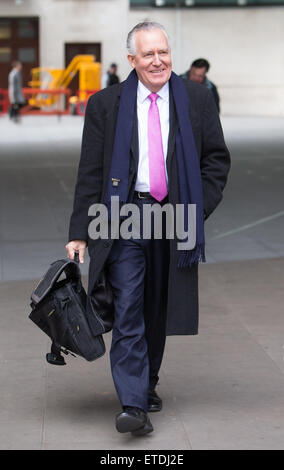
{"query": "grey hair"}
(145, 26)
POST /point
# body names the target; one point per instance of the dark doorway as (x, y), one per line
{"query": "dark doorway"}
(73, 49)
(19, 40)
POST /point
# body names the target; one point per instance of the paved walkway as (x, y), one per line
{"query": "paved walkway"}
(222, 389)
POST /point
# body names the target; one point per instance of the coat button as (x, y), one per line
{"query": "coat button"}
(106, 244)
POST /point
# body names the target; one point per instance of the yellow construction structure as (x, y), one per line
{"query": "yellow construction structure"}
(55, 79)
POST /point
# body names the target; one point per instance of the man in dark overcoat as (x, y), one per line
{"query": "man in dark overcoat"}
(198, 73)
(153, 139)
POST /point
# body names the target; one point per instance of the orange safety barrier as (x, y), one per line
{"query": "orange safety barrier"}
(34, 92)
(4, 101)
(81, 105)
(32, 110)
(31, 92)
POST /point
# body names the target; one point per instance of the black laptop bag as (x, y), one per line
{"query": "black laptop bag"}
(59, 309)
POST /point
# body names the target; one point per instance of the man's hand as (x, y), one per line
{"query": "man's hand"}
(76, 245)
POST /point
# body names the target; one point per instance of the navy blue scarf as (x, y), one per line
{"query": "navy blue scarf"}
(189, 176)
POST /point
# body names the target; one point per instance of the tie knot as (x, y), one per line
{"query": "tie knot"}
(153, 97)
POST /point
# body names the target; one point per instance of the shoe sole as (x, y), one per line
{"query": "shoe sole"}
(154, 410)
(128, 424)
(155, 407)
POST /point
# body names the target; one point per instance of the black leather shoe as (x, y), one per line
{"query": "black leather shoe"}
(147, 428)
(154, 401)
(133, 420)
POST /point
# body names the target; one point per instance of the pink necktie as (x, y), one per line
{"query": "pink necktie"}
(157, 172)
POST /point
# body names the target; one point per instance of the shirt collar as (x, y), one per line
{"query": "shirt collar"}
(143, 92)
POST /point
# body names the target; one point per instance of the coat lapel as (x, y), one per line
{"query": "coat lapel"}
(134, 148)
(172, 131)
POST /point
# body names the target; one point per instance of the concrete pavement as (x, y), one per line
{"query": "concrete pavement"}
(222, 389)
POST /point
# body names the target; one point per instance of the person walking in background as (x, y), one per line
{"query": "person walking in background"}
(197, 73)
(151, 140)
(16, 96)
(110, 77)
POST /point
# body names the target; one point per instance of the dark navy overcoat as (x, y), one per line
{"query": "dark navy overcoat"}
(94, 167)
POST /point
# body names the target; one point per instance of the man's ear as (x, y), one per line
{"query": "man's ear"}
(131, 60)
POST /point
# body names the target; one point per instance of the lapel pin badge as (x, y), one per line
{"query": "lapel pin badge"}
(115, 181)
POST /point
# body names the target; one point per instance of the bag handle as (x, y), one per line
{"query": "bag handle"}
(71, 269)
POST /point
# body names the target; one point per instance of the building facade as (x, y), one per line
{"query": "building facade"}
(243, 45)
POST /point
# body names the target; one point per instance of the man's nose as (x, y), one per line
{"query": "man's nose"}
(156, 59)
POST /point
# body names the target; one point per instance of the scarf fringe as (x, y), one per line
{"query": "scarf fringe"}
(195, 256)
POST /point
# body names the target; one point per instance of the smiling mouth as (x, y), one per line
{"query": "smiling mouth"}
(157, 71)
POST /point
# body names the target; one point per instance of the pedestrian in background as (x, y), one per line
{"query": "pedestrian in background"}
(110, 77)
(197, 73)
(16, 96)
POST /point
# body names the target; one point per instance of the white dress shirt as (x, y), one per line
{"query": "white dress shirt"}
(143, 105)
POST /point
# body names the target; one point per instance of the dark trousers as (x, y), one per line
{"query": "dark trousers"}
(14, 110)
(138, 273)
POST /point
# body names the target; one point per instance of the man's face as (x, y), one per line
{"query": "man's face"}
(197, 74)
(152, 61)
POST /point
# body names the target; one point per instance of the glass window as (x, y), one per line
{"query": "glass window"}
(5, 54)
(5, 29)
(91, 50)
(213, 3)
(165, 3)
(26, 54)
(139, 3)
(26, 28)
